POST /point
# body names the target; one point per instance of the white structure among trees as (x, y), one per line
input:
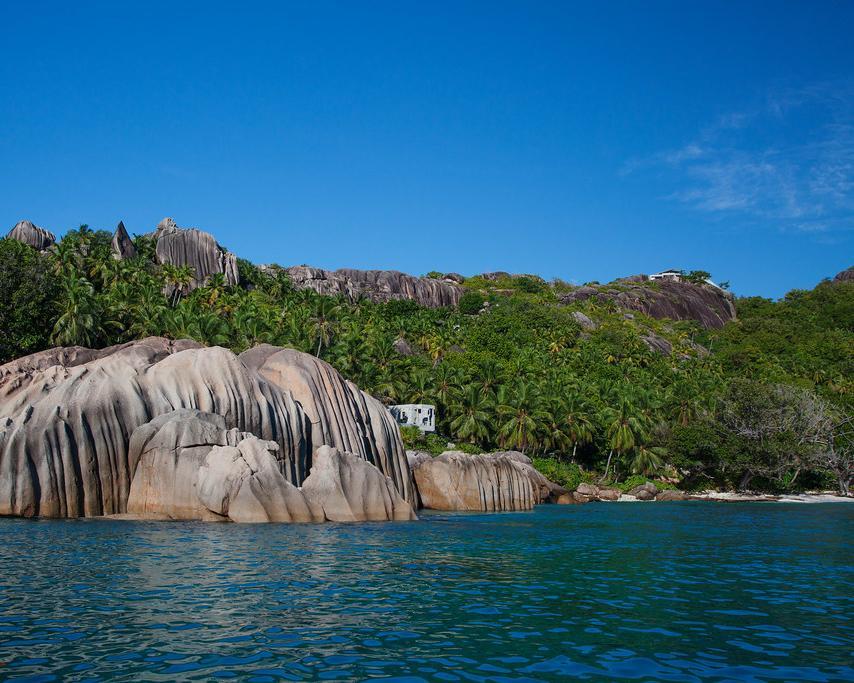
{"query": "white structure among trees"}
(421, 415)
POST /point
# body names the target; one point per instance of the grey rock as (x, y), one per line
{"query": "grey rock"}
(708, 305)
(845, 276)
(671, 494)
(196, 249)
(458, 481)
(403, 347)
(585, 489)
(583, 320)
(36, 237)
(122, 246)
(454, 277)
(646, 488)
(67, 417)
(608, 493)
(349, 489)
(657, 343)
(376, 285)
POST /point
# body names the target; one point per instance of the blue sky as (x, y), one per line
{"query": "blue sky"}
(580, 141)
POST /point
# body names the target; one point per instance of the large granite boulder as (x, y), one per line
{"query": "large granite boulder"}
(191, 467)
(545, 491)
(846, 275)
(122, 246)
(711, 306)
(339, 413)
(28, 233)
(349, 489)
(484, 483)
(67, 417)
(194, 248)
(376, 285)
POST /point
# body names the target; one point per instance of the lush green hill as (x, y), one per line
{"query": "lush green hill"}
(759, 402)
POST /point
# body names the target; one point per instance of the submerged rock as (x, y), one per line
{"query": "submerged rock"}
(28, 233)
(376, 285)
(67, 417)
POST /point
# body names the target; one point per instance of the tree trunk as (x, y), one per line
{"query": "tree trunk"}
(574, 446)
(607, 466)
(745, 480)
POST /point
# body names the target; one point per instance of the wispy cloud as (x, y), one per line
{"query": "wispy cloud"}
(788, 161)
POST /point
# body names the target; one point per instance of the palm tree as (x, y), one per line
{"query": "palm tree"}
(471, 422)
(647, 460)
(79, 320)
(323, 317)
(626, 428)
(521, 416)
(575, 414)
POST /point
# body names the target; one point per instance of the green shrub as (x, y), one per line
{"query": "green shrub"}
(471, 302)
(566, 474)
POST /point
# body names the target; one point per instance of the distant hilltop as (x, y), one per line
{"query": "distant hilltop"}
(668, 294)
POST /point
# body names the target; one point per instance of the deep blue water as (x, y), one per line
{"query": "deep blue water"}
(670, 592)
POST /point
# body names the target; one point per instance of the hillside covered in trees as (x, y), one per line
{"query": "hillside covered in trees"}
(586, 386)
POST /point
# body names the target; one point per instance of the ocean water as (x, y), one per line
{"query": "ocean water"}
(652, 592)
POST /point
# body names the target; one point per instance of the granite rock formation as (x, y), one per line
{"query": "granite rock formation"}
(845, 275)
(708, 305)
(376, 285)
(68, 416)
(347, 488)
(483, 483)
(196, 249)
(38, 238)
(122, 245)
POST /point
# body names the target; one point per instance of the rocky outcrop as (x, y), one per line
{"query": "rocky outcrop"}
(348, 489)
(710, 306)
(191, 467)
(671, 494)
(657, 343)
(67, 417)
(38, 238)
(339, 413)
(646, 491)
(122, 246)
(545, 491)
(589, 492)
(196, 249)
(845, 276)
(376, 285)
(483, 483)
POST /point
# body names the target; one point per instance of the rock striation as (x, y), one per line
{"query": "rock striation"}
(376, 285)
(845, 275)
(28, 233)
(710, 306)
(194, 248)
(192, 467)
(481, 483)
(122, 246)
(68, 417)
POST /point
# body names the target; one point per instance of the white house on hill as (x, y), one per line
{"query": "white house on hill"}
(421, 415)
(677, 276)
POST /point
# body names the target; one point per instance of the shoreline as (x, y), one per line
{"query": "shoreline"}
(733, 497)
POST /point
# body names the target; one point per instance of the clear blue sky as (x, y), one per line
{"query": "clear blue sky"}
(581, 141)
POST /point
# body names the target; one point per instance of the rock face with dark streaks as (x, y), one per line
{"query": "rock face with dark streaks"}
(122, 246)
(71, 421)
(845, 276)
(710, 306)
(196, 249)
(483, 483)
(376, 285)
(38, 238)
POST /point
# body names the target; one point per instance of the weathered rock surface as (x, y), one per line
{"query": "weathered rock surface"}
(196, 249)
(845, 276)
(584, 321)
(585, 492)
(349, 489)
(28, 233)
(67, 417)
(545, 491)
(647, 491)
(376, 285)
(708, 305)
(671, 494)
(192, 467)
(657, 343)
(122, 246)
(339, 413)
(485, 483)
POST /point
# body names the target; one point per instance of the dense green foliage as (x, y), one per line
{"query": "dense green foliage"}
(510, 368)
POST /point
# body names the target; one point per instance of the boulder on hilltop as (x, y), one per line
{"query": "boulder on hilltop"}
(36, 237)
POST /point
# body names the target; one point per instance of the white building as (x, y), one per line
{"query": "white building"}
(677, 276)
(421, 415)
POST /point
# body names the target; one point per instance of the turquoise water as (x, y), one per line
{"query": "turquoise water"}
(653, 592)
